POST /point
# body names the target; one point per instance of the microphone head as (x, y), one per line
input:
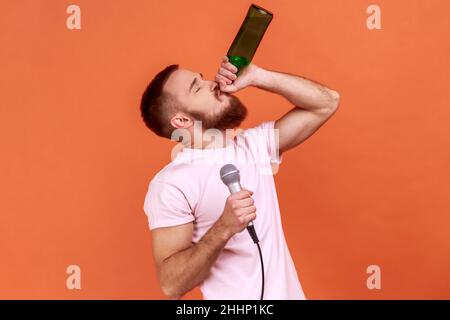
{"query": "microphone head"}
(229, 174)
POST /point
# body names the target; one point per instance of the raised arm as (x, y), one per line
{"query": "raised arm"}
(313, 103)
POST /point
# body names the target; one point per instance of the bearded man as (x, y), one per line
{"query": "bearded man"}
(196, 225)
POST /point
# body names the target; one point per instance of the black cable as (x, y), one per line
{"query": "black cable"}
(262, 271)
(251, 230)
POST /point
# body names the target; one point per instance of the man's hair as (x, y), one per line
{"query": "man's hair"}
(156, 106)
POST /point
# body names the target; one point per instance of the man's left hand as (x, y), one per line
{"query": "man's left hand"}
(228, 80)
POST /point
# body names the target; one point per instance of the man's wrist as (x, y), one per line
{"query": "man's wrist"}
(222, 231)
(259, 76)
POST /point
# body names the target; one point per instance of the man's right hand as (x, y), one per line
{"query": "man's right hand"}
(238, 212)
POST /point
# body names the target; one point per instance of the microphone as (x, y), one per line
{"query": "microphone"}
(231, 177)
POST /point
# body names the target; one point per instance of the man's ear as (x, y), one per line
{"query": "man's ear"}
(181, 121)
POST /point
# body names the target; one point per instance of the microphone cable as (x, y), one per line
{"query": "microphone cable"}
(230, 176)
(252, 231)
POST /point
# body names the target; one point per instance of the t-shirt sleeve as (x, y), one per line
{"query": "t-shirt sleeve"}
(266, 139)
(166, 206)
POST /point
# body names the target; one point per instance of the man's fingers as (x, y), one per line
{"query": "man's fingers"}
(222, 78)
(247, 202)
(242, 212)
(249, 218)
(227, 73)
(225, 76)
(230, 67)
(241, 194)
(222, 85)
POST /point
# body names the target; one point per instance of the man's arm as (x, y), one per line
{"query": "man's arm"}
(181, 265)
(188, 264)
(314, 103)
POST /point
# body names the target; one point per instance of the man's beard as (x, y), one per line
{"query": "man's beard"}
(229, 118)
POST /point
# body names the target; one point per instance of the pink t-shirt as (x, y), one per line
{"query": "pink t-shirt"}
(189, 189)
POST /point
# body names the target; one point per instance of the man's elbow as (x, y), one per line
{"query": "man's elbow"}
(334, 101)
(168, 287)
(171, 292)
(330, 105)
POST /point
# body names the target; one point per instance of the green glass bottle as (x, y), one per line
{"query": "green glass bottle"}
(249, 36)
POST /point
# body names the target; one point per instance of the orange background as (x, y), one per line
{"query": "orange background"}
(371, 187)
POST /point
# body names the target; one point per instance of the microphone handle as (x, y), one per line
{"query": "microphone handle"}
(234, 187)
